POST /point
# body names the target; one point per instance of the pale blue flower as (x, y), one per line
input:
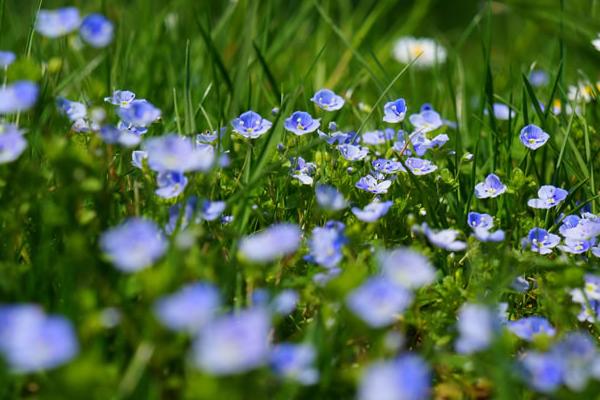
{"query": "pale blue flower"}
(338, 137)
(426, 121)
(477, 327)
(421, 143)
(178, 153)
(405, 267)
(275, 242)
(211, 210)
(371, 184)
(12, 143)
(378, 302)
(386, 166)
(501, 112)
(114, 135)
(138, 157)
(529, 327)
(234, 343)
(372, 211)
(375, 138)
(72, 109)
(548, 197)
(482, 225)
(575, 246)
(32, 341)
(419, 166)
(394, 111)
(134, 245)
(190, 308)
(140, 113)
(533, 137)
(170, 184)
(191, 206)
(303, 171)
(327, 100)
(491, 187)
(576, 228)
(121, 98)
(7, 58)
(17, 97)
(56, 23)
(295, 362)
(96, 30)
(538, 78)
(543, 372)
(301, 123)
(285, 302)
(353, 152)
(540, 241)
(326, 244)
(251, 125)
(406, 378)
(444, 239)
(329, 198)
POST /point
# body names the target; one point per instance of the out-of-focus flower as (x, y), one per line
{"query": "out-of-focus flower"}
(170, 184)
(251, 125)
(575, 246)
(338, 137)
(378, 302)
(327, 100)
(353, 152)
(501, 112)
(426, 121)
(211, 210)
(31, 341)
(371, 184)
(583, 92)
(72, 109)
(56, 23)
(576, 228)
(114, 135)
(419, 166)
(6, 58)
(530, 327)
(477, 326)
(491, 187)
(406, 267)
(96, 30)
(408, 378)
(424, 51)
(329, 198)
(233, 343)
(482, 225)
(178, 153)
(444, 239)
(17, 97)
(372, 211)
(138, 157)
(596, 42)
(134, 245)
(303, 171)
(285, 302)
(394, 111)
(190, 308)
(422, 143)
(140, 113)
(375, 138)
(301, 123)
(121, 98)
(548, 197)
(543, 372)
(538, 78)
(273, 243)
(533, 137)
(387, 166)
(326, 243)
(540, 241)
(12, 143)
(295, 362)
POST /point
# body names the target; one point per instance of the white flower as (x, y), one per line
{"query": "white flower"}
(596, 42)
(427, 52)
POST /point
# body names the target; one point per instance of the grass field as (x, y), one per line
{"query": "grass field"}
(442, 246)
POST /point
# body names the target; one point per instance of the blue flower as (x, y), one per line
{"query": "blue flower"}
(419, 166)
(577, 228)
(121, 98)
(421, 143)
(533, 137)
(372, 211)
(477, 327)
(491, 187)
(134, 245)
(31, 341)
(394, 111)
(444, 239)
(579, 356)
(96, 30)
(544, 372)
(285, 302)
(405, 267)
(329, 198)
(501, 112)
(190, 308)
(170, 184)
(352, 152)
(301, 123)
(370, 184)
(385, 166)
(482, 225)
(6, 58)
(541, 241)
(326, 244)
(72, 109)
(378, 302)
(140, 113)
(529, 327)
(114, 135)
(338, 137)
(549, 196)
(251, 125)
(275, 242)
(211, 210)
(538, 78)
(138, 157)
(295, 362)
(234, 343)
(426, 121)
(375, 138)
(303, 171)
(17, 97)
(12, 143)
(56, 23)
(191, 206)
(178, 153)
(407, 378)
(327, 100)
(575, 246)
